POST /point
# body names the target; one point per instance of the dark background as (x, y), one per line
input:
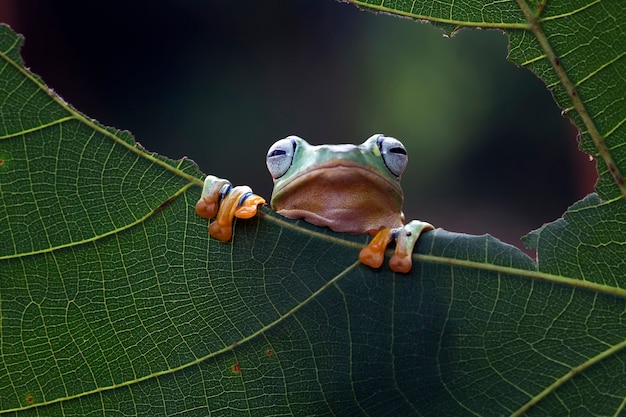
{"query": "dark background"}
(220, 81)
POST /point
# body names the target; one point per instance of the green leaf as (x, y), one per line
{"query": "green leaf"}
(586, 243)
(575, 47)
(113, 300)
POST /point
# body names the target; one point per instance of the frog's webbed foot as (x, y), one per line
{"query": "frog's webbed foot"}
(406, 237)
(224, 202)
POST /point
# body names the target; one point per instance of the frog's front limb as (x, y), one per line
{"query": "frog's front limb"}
(221, 200)
(406, 237)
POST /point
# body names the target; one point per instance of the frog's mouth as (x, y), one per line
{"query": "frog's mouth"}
(342, 195)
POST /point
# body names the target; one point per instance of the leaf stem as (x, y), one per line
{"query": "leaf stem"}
(382, 8)
(533, 24)
(74, 114)
(568, 376)
(442, 260)
(103, 235)
(536, 275)
(598, 139)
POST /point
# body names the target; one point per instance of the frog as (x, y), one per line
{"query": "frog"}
(347, 188)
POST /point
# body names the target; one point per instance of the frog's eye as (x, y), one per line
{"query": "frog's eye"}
(393, 153)
(280, 156)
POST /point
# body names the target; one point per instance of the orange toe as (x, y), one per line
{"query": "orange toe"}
(249, 207)
(373, 254)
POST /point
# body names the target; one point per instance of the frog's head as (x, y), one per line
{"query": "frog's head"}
(349, 188)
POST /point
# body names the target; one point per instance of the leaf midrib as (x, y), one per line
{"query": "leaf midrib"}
(91, 124)
(534, 25)
(441, 260)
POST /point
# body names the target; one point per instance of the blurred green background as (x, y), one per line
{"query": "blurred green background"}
(220, 81)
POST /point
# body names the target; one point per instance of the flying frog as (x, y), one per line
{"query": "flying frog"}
(347, 188)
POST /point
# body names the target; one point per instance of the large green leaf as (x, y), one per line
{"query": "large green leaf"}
(576, 47)
(113, 299)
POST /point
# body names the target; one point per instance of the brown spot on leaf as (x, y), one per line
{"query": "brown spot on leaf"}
(164, 204)
(616, 174)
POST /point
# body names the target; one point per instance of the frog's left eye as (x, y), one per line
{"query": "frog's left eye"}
(393, 153)
(280, 156)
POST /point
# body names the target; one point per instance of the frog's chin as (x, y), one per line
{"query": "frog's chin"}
(339, 224)
(348, 199)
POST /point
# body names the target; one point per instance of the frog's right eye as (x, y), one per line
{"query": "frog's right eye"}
(393, 153)
(280, 156)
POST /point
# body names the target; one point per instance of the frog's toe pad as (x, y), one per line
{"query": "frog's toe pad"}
(406, 238)
(249, 207)
(401, 263)
(222, 232)
(206, 208)
(373, 254)
(371, 258)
